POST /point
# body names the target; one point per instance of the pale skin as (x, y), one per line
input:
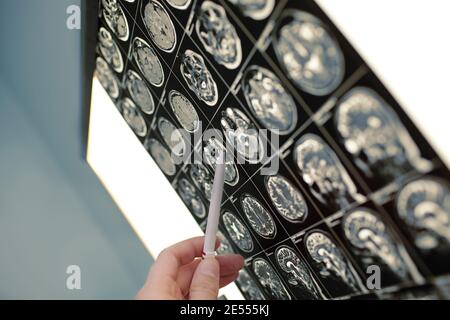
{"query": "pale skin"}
(179, 273)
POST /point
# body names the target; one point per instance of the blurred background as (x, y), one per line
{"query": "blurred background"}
(53, 210)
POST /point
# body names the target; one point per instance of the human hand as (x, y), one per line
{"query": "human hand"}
(179, 273)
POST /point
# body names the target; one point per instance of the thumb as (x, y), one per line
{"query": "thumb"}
(205, 282)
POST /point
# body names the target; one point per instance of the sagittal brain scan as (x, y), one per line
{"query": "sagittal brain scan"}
(198, 78)
(148, 62)
(110, 50)
(326, 175)
(218, 36)
(115, 19)
(329, 259)
(238, 232)
(255, 9)
(139, 92)
(424, 205)
(297, 273)
(184, 111)
(107, 78)
(267, 99)
(242, 135)
(258, 217)
(287, 199)
(133, 117)
(370, 237)
(375, 137)
(159, 26)
(189, 195)
(309, 53)
(270, 280)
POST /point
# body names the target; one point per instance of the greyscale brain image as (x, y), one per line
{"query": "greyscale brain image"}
(424, 205)
(115, 18)
(330, 260)
(110, 50)
(255, 9)
(371, 238)
(241, 133)
(198, 78)
(259, 218)
(297, 273)
(267, 99)
(286, 198)
(326, 173)
(218, 36)
(270, 280)
(148, 62)
(184, 111)
(310, 55)
(139, 92)
(107, 78)
(133, 117)
(238, 232)
(189, 195)
(159, 26)
(375, 136)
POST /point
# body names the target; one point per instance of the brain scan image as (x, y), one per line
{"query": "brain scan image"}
(297, 273)
(115, 19)
(139, 92)
(309, 54)
(330, 260)
(159, 26)
(161, 155)
(225, 245)
(424, 206)
(249, 286)
(218, 36)
(202, 178)
(242, 135)
(172, 136)
(148, 62)
(110, 50)
(372, 132)
(269, 279)
(107, 78)
(211, 155)
(238, 232)
(198, 78)
(286, 198)
(267, 99)
(184, 111)
(370, 238)
(255, 9)
(324, 173)
(259, 218)
(133, 117)
(179, 4)
(190, 197)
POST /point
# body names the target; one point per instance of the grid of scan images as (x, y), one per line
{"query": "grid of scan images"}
(356, 190)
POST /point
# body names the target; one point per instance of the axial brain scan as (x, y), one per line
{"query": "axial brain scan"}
(148, 62)
(369, 234)
(159, 26)
(218, 36)
(307, 51)
(321, 169)
(424, 205)
(190, 197)
(374, 135)
(258, 217)
(115, 19)
(172, 136)
(211, 155)
(249, 286)
(202, 178)
(238, 232)
(270, 280)
(198, 78)
(267, 99)
(255, 9)
(184, 111)
(133, 117)
(139, 92)
(110, 50)
(107, 78)
(161, 155)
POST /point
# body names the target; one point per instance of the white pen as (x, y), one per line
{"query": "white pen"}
(214, 208)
